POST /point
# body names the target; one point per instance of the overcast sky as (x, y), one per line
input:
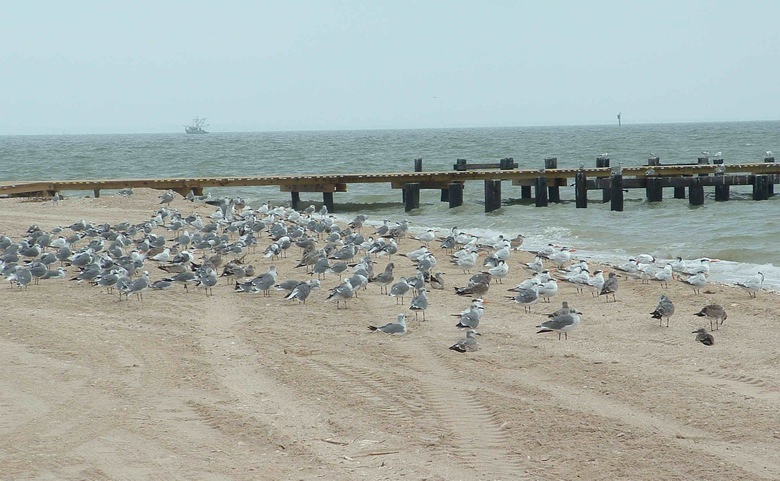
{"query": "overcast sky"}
(151, 66)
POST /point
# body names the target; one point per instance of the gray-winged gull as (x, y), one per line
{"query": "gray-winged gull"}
(665, 309)
(398, 327)
(467, 344)
(561, 324)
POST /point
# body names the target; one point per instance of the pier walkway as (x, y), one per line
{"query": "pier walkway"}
(612, 181)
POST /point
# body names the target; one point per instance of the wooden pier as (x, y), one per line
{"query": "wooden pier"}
(546, 182)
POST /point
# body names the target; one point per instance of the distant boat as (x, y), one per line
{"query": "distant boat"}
(196, 127)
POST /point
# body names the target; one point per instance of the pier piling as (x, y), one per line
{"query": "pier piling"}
(581, 190)
(540, 184)
(295, 200)
(606, 193)
(492, 195)
(554, 192)
(654, 190)
(760, 187)
(327, 199)
(771, 190)
(696, 192)
(616, 199)
(411, 196)
(455, 194)
(721, 191)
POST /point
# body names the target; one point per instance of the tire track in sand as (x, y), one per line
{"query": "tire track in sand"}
(478, 441)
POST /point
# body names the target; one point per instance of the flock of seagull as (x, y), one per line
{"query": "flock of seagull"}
(197, 251)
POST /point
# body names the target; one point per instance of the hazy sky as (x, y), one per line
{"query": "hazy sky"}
(151, 66)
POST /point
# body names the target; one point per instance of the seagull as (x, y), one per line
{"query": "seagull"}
(427, 236)
(419, 303)
(436, 281)
(470, 317)
(704, 337)
(768, 153)
(342, 292)
(166, 197)
(561, 324)
(468, 344)
(696, 281)
(610, 287)
(385, 278)
(753, 284)
(397, 328)
(526, 297)
(714, 312)
(665, 309)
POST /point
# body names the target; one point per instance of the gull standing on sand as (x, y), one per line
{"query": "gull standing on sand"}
(526, 297)
(468, 344)
(399, 290)
(397, 328)
(384, 278)
(561, 324)
(753, 284)
(610, 287)
(665, 309)
(427, 236)
(704, 337)
(342, 292)
(419, 303)
(714, 312)
(500, 271)
(548, 289)
(697, 281)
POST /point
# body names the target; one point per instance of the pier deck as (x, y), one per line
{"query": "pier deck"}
(601, 178)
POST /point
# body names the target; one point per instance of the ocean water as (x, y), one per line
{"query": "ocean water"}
(742, 234)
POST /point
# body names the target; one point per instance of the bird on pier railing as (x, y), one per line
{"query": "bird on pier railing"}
(768, 153)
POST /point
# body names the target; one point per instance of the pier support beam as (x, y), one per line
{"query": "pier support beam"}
(654, 190)
(606, 193)
(616, 199)
(721, 191)
(540, 184)
(525, 191)
(554, 192)
(581, 190)
(696, 192)
(445, 195)
(455, 194)
(295, 200)
(653, 161)
(418, 165)
(411, 196)
(327, 199)
(96, 192)
(679, 192)
(771, 180)
(760, 187)
(492, 195)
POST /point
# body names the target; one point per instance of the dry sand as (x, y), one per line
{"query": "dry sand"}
(241, 386)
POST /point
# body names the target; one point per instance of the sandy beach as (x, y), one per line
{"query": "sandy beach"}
(240, 386)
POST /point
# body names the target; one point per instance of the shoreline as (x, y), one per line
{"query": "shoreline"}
(233, 385)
